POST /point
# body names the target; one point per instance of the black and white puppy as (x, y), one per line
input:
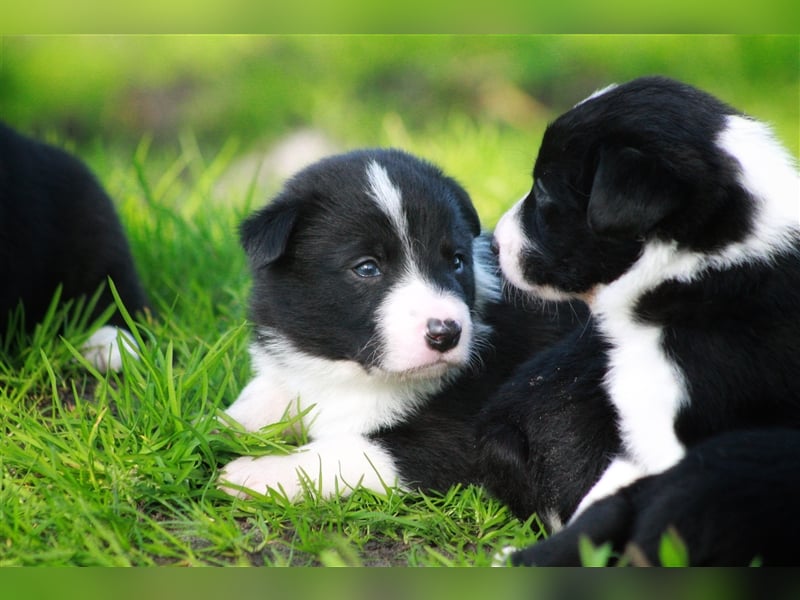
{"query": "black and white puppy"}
(377, 310)
(677, 219)
(58, 227)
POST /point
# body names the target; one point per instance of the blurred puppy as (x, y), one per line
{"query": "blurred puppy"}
(58, 227)
(676, 218)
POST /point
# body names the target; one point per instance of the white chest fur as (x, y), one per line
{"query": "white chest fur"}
(340, 397)
(645, 385)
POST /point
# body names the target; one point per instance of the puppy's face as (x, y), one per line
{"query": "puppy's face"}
(633, 163)
(368, 257)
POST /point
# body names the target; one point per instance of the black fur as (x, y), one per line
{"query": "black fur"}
(435, 448)
(732, 502)
(636, 166)
(549, 431)
(57, 227)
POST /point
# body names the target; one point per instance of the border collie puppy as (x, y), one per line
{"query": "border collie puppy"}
(58, 227)
(677, 219)
(378, 317)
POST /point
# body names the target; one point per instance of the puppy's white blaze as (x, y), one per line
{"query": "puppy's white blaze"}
(341, 397)
(331, 466)
(388, 197)
(105, 347)
(597, 93)
(402, 323)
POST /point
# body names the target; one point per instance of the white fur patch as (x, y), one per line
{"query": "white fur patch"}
(770, 174)
(502, 558)
(645, 386)
(340, 396)
(597, 93)
(514, 244)
(331, 466)
(263, 401)
(105, 347)
(618, 474)
(387, 196)
(402, 323)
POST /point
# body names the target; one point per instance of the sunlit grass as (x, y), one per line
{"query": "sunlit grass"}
(120, 469)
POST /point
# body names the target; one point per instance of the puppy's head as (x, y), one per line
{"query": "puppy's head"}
(642, 161)
(368, 257)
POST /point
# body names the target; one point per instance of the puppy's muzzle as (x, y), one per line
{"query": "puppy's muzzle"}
(442, 335)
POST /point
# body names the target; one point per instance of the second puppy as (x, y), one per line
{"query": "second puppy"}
(377, 310)
(676, 218)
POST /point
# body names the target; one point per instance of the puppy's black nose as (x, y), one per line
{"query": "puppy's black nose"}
(495, 246)
(442, 335)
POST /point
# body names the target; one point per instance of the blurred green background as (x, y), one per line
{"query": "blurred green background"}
(475, 104)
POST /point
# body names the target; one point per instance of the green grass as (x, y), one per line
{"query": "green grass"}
(120, 469)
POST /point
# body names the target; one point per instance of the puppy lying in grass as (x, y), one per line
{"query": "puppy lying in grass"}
(378, 318)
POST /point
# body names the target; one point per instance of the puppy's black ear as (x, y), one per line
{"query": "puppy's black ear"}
(265, 234)
(631, 194)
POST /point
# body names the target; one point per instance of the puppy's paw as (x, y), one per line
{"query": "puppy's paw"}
(326, 468)
(105, 347)
(503, 557)
(261, 473)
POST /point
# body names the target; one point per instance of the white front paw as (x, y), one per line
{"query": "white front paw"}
(105, 347)
(261, 473)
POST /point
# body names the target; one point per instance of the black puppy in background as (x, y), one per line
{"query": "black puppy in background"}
(59, 227)
(677, 219)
